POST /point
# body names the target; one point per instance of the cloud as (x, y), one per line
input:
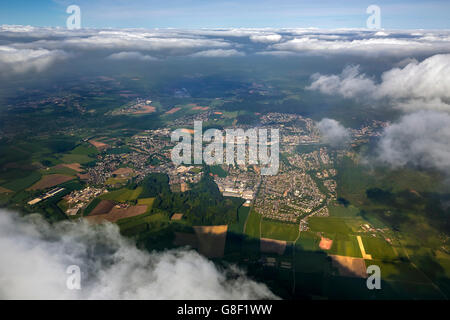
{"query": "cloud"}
(269, 38)
(218, 53)
(169, 41)
(24, 60)
(301, 40)
(365, 43)
(381, 34)
(349, 84)
(333, 133)
(225, 42)
(133, 41)
(416, 86)
(403, 63)
(35, 256)
(234, 32)
(131, 55)
(420, 139)
(428, 80)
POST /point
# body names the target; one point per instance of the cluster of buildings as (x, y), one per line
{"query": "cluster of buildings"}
(312, 161)
(103, 169)
(331, 185)
(294, 129)
(80, 199)
(134, 107)
(240, 182)
(150, 153)
(373, 129)
(288, 195)
(188, 120)
(154, 143)
(181, 177)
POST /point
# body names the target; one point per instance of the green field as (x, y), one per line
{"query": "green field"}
(399, 271)
(123, 195)
(342, 211)
(329, 225)
(340, 230)
(279, 230)
(144, 218)
(146, 201)
(258, 227)
(135, 225)
(81, 154)
(345, 247)
(62, 170)
(252, 228)
(76, 158)
(113, 181)
(308, 241)
(22, 183)
(379, 248)
(238, 227)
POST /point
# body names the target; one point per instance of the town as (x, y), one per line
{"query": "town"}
(303, 187)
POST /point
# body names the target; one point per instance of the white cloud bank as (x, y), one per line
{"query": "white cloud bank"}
(159, 43)
(34, 258)
(368, 44)
(128, 40)
(333, 133)
(416, 86)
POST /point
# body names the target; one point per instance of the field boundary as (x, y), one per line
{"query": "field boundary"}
(363, 251)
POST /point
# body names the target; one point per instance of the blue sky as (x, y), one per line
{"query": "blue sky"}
(395, 14)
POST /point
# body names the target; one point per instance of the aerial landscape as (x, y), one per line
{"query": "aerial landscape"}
(343, 192)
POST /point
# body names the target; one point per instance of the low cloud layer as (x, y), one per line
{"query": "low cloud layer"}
(24, 60)
(333, 133)
(366, 43)
(415, 86)
(420, 139)
(165, 43)
(35, 256)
